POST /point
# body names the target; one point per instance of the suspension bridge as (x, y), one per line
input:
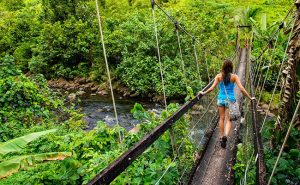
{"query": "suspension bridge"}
(213, 164)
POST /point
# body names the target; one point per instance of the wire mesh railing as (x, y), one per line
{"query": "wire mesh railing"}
(188, 135)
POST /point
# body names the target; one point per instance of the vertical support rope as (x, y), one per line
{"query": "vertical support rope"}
(270, 62)
(173, 142)
(257, 67)
(279, 74)
(206, 66)
(158, 55)
(196, 59)
(107, 68)
(284, 142)
(180, 52)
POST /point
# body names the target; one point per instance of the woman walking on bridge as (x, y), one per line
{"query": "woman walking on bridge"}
(226, 81)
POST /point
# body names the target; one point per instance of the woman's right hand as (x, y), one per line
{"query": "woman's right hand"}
(252, 98)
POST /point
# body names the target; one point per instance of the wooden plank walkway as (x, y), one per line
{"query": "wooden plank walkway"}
(216, 164)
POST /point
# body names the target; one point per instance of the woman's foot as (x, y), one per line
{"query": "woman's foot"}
(223, 142)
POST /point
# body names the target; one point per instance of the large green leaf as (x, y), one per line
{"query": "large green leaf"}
(17, 144)
(22, 162)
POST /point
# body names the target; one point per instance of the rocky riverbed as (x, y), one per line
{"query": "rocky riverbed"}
(94, 100)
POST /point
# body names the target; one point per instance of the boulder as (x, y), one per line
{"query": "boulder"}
(134, 95)
(80, 80)
(95, 88)
(71, 97)
(197, 107)
(270, 114)
(265, 106)
(135, 130)
(102, 92)
(80, 93)
(100, 110)
(195, 112)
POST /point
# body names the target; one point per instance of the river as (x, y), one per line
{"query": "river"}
(100, 108)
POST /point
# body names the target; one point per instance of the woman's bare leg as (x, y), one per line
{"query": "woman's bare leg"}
(228, 122)
(221, 121)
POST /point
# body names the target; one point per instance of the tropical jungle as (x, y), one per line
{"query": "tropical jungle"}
(84, 81)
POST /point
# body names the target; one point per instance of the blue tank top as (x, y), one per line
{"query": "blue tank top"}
(229, 89)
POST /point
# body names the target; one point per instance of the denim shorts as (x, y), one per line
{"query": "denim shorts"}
(222, 103)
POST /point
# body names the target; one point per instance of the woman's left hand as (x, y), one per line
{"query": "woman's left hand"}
(201, 92)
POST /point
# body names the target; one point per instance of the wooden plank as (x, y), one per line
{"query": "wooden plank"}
(119, 165)
(201, 152)
(241, 72)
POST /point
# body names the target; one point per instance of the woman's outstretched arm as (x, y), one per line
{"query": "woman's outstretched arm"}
(213, 85)
(243, 90)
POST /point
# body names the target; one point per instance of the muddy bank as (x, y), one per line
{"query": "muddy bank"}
(84, 86)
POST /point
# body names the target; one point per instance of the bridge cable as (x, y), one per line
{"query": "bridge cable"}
(277, 80)
(173, 20)
(268, 69)
(196, 60)
(209, 126)
(188, 135)
(278, 76)
(180, 53)
(208, 75)
(162, 77)
(259, 88)
(257, 68)
(107, 69)
(179, 26)
(284, 142)
(158, 55)
(270, 40)
(282, 22)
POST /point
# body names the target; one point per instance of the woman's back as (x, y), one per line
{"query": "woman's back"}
(227, 90)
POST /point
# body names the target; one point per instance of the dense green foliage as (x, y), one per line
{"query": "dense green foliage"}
(94, 150)
(61, 39)
(16, 163)
(47, 39)
(288, 171)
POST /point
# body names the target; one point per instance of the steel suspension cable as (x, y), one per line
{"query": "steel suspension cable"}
(158, 55)
(257, 67)
(278, 76)
(268, 69)
(197, 63)
(162, 76)
(281, 25)
(271, 38)
(208, 75)
(180, 53)
(197, 147)
(258, 75)
(284, 142)
(188, 135)
(107, 68)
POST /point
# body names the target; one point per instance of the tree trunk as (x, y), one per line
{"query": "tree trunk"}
(289, 75)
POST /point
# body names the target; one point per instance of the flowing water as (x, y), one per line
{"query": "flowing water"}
(100, 108)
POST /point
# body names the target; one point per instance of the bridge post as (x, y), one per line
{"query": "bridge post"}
(258, 146)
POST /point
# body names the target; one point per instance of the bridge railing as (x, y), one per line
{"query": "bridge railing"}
(187, 127)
